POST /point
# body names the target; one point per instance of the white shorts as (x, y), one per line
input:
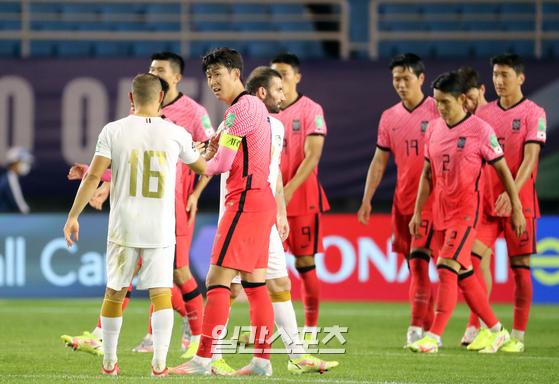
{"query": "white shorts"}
(156, 270)
(276, 259)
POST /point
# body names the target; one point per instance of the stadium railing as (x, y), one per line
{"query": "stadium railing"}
(181, 22)
(476, 28)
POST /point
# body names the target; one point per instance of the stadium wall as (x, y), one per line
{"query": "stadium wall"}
(58, 107)
(357, 265)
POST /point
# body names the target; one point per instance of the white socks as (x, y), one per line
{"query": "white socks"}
(286, 321)
(98, 333)
(519, 335)
(496, 328)
(162, 326)
(111, 331)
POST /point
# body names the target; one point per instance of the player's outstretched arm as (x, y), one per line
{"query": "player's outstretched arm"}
(374, 177)
(78, 171)
(85, 192)
(313, 152)
(281, 220)
(517, 217)
(100, 196)
(425, 186)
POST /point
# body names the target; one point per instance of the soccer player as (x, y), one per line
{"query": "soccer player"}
(481, 260)
(243, 234)
(457, 145)
(475, 91)
(187, 299)
(266, 84)
(305, 130)
(520, 125)
(402, 132)
(143, 151)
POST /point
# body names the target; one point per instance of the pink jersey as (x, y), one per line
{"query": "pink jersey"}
(247, 186)
(302, 118)
(193, 117)
(457, 155)
(402, 132)
(523, 123)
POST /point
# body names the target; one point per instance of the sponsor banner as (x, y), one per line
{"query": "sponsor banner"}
(358, 263)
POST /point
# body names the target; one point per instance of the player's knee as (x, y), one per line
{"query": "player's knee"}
(235, 290)
(422, 254)
(112, 303)
(444, 262)
(481, 250)
(182, 275)
(304, 261)
(520, 261)
(282, 284)
(160, 298)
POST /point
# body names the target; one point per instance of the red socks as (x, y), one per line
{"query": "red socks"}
(261, 317)
(430, 313)
(420, 288)
(194, 305)
(310, 289)
(476, 263)
(216, 314)
(176, 301)
(476, 297)
(522, 296)
(446, 299)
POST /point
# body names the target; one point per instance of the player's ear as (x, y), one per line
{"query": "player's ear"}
(261, 93)
(237, 73)
(462, 99)
(482, 89)
(178, 78)
(521, 78)
(421, 78)
(131, 97)
(298, 76)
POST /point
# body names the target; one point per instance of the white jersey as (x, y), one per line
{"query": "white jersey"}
(278, 132)
(144, 152)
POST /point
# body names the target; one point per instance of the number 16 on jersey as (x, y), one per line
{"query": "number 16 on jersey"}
(148, 173)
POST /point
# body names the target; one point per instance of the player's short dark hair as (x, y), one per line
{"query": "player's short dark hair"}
(289, 59)
(229, 58)
(260, 77)
(450, 82)
(470, 77)
(511, 60)
(409, 61)
(177, 63)
(147, 87)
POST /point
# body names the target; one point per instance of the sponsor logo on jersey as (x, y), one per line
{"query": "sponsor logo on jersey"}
(229, 120)
(296, 125)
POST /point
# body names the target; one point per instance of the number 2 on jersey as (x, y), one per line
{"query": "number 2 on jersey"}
(147, 174)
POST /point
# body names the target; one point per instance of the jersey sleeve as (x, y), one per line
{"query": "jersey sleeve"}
(314, 122)
(490, 149)
(236, 123)
(427, 143)
(536, 125)
(188, 153)
(383, 138)
(103, 147)
(202, 126)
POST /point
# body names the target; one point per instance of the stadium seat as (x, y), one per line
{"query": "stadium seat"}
(10, 7)
(445, 25)
(522, 47)
(518, 8)
(452, 49)
(254, 9)
(9, 48)
(199, 8)
(43, 48)
(264, 49)
(74, 48)
(482, 25)
(479, 8)
(55, 25)
(198, 49)
(146, 48)
(490, 48)
(304, 49)
(287, 9)
(386, 9)
(10, 25)
(111, 49)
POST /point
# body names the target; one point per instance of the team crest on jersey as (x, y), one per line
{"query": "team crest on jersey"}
(424, 125)
(296, 125)
(516, 125)
(461, 142)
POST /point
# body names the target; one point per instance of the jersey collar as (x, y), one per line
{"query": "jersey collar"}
(417, 106)
(299, 96)
(173, 101)
(238, 97)
(460, 122)
(511, 107)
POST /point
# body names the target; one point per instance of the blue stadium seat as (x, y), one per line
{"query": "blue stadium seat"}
(74, 48)
(524, 25)
(389, 49)
(10, 7)
(550, 49)
(10, 25)
(445, 25)
(45, 7)
(479, 8)
(453, 48)
(199, 48)
(399, 9)
(111, 49)
(550, 8)
(287, 9)
(522, 47)
(255, 26)
(263, 49)
(518, 8)
(359, 25)
(437, 9)
(146, 48)
(9, 48)
(550, 25)
(210, 9)
(305, 49)
(206, 26)
(482, 25)
(40, 25)
(406, 26)
(303, 26)
(43, 48)
(490, 48)
(255, 9)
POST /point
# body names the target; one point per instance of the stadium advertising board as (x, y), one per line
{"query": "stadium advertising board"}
(357, 265)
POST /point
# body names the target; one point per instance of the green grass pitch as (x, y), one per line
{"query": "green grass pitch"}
(31, 350)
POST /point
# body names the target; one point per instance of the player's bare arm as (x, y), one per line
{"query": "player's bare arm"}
(281, 220)
(529, 162)
(374, 177)
(85, 192)
(77, 171)
(425, 185)
(100, 196)
(192, 202)
(313, 151)
(517, 217)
